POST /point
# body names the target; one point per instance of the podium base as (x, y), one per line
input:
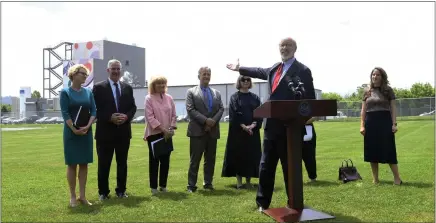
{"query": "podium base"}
(291, 215)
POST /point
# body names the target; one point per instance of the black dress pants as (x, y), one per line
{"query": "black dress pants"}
(105, 152)
(157, 166)
(273, 150)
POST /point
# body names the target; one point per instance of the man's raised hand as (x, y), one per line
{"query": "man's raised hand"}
(234, 67)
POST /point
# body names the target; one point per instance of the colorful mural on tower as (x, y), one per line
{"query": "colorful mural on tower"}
(88, 50)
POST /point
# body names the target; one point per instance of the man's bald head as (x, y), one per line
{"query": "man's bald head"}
(288, 47)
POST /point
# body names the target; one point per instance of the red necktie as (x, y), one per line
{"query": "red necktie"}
(277, 78)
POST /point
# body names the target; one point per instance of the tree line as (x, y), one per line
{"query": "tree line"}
(352, 103)
(417, 90)
(8, 108)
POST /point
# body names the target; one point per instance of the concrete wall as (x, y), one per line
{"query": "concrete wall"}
(131, 57)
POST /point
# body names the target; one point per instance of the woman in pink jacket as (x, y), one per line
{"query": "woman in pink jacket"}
(160, 116)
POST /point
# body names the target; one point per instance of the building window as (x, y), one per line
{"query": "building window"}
(127, 62)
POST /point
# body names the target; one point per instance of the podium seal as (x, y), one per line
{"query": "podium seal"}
(304, 108)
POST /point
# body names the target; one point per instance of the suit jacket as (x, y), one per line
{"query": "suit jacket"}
(196, 106)
(105, 103)
(273, 127)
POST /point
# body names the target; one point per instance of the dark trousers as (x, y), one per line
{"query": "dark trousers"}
(105, 152)
(198, 146)
(162, 161)
(308, 154)
(273, 150)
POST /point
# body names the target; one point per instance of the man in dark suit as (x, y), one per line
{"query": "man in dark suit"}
(115, 109)
(274, 143)
(205, 109)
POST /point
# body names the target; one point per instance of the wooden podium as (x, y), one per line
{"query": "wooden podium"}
(295, 113)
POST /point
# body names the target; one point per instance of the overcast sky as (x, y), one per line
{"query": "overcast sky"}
(339, 42)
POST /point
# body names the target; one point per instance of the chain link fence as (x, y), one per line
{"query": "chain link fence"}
(407, 109)
(410, 108)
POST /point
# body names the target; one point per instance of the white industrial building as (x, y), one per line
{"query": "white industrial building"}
(179, 95)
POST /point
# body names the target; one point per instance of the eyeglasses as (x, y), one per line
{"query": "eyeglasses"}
(82, 73)
(288, 45)
(245, 80)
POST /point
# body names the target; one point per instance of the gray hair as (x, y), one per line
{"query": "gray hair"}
(204, 68)
(110, 62)
(290, 39)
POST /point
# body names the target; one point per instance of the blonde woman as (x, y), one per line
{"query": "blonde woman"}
(160, 115)
(78, 142)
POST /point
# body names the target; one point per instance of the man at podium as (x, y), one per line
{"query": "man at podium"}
(281, 77)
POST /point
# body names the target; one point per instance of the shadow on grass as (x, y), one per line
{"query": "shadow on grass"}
(408, 184)
(171, 195)
(84, 209)
(217, 192)
(244, 187)
(131, 201)
(322, 183)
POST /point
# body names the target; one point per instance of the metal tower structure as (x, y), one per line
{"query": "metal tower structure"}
(54, 60)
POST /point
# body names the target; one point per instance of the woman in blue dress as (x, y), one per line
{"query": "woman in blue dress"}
(78, 142)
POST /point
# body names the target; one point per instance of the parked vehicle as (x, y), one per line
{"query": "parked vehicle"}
(182, 118)
(8, 120)
(339, 115)
(51, 120)
(139, 119)
(32, 119)
(427, 113)
(41, 120)
(226, 118)
(19, 121)
(59, 120)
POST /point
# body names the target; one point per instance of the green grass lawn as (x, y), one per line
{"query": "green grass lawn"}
(34, 185)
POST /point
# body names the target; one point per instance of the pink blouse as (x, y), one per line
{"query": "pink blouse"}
(159, 111)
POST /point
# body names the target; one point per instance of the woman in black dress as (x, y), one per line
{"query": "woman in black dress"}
(243, 149)
(378, 125)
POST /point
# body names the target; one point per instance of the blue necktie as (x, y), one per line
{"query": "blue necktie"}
(117, 96)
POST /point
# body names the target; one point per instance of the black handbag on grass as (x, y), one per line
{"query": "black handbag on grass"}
(348, 173)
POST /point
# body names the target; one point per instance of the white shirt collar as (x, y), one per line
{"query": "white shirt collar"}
(112, 82)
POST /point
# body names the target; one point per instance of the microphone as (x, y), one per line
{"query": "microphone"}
(300, 85)
(296, 86)
(290, 84)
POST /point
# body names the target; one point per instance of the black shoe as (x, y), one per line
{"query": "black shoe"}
(208, 187)
(401, 182)
(122, 195)
(103, 197)
(191, 189)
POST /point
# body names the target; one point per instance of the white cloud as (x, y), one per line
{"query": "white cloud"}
(340, 42)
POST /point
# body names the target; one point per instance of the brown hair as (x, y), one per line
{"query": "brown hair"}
(384, 85)
(238, 82)
(154, 80)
